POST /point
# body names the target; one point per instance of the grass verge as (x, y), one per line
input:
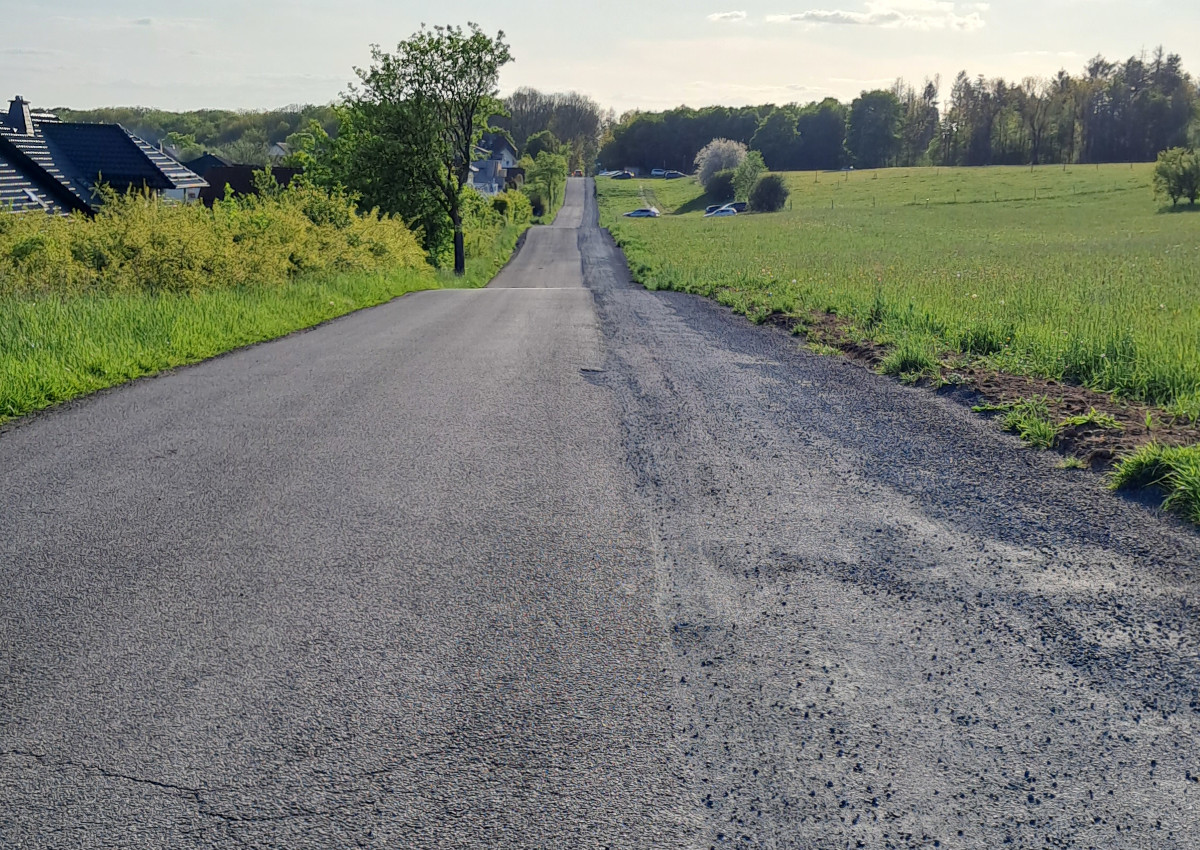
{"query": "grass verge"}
(57, 347)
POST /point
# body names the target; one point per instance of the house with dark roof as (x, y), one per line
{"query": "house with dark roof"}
(58, 166)
(495, 167)
(206, 162)
(224, 176)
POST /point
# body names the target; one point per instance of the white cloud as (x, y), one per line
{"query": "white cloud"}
(897, 14)
(727, 16)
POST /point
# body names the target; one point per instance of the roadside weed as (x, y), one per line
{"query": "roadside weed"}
(822, 349)
(1173, 469)
(1184, 483)
(993, 407)
(911, 359)
(1030, 420)
(1092, 417)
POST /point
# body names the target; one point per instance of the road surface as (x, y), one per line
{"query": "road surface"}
(566, 563)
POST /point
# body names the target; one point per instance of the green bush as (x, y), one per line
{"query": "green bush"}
(1177, 175)
(1030, 420)
(747, 174)
(720, 186)
(514, 206)
(537, 203)
(911, 356)
(769, 194)
(140, 242)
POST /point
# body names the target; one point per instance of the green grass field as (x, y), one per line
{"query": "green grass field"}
(1071, 274)
(1075, 274)
(57, 347)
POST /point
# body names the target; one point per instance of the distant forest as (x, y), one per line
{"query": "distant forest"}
(1110, 112)
(241, 136)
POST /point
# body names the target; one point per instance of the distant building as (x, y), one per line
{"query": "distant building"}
(500, 149)
(206, 162)
(496, 167)
(57, 166)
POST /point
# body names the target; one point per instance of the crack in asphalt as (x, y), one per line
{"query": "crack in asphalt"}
(49, 762)
(197, 795)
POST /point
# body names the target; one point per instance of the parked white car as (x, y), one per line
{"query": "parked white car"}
(644, 212)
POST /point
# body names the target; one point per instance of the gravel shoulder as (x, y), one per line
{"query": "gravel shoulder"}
(892, 626)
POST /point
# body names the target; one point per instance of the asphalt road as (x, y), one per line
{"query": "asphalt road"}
(565, 563)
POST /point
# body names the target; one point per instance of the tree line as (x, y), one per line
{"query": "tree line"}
(565, 123)
(1111, 112)
(239, 135)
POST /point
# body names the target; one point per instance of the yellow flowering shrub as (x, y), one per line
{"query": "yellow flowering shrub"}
(140, 242)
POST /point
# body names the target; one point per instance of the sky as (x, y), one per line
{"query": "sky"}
(652, 54)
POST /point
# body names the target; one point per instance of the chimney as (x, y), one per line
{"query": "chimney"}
(19, 118)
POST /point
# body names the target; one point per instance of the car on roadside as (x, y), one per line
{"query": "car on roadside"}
(673, 175)
(720, 212)
(731, 206)
(644, 212)
(623, 175)
(657, 172)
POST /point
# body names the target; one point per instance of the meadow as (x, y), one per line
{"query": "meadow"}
(1075, 274)
(1064, 273)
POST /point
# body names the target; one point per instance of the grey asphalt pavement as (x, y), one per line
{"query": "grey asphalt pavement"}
(566, 563)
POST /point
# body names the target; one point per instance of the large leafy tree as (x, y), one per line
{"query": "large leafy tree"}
(718, 155)
(778, 140)
(1177, 175)
(544, 141)
(872, 131)
(822, 128)
(546, 175)
(414, 118)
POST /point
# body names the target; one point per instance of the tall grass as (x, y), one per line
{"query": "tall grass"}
(1071, 274)
(55, 348)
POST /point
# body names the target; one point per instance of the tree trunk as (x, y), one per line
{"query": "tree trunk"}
(460, 251)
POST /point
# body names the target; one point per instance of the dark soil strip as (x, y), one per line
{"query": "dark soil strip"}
(1095, 446)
